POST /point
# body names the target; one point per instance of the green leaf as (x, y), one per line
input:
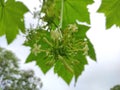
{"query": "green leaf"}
(81, 34)
(40, 61)
(65, 55)
(36, 37)
(62, 72)
(11, 18)
(82, 30)
(75, 10)
(91, 52)
(111, 9)
(79, 66)
(72, 10)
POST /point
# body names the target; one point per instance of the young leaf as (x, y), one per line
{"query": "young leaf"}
(11, 18)
(111, 9)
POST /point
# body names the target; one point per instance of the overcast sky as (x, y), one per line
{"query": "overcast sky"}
(100, 75)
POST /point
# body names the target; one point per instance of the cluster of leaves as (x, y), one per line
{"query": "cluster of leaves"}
(64, 45)
(13, 78)
(12, 14)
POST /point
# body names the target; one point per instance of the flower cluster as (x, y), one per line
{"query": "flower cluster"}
(62, 43)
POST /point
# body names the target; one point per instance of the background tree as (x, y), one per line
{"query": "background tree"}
(116, 87)
(12, 78)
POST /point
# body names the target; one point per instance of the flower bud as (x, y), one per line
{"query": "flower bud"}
(36, 49)
(55, 34)
(73, 27)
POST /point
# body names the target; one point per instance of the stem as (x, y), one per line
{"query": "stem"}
(44, 38)
(61, 16)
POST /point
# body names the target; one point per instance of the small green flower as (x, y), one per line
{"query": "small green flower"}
(55, 34)
(85, 49)
(73, 27)
(36, 49)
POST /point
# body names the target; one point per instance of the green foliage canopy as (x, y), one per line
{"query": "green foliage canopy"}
(64, 45)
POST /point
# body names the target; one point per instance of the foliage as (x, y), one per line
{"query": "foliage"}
(64, 45)
(65, 12)
(11, 18)
(116, 87)
(12, 78)
(61, 43)
(111, 10)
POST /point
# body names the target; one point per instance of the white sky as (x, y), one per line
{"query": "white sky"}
(100, 75)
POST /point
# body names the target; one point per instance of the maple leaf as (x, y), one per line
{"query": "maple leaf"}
(111, 10)
(11, 18)
(66, 54)
(67, 10)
